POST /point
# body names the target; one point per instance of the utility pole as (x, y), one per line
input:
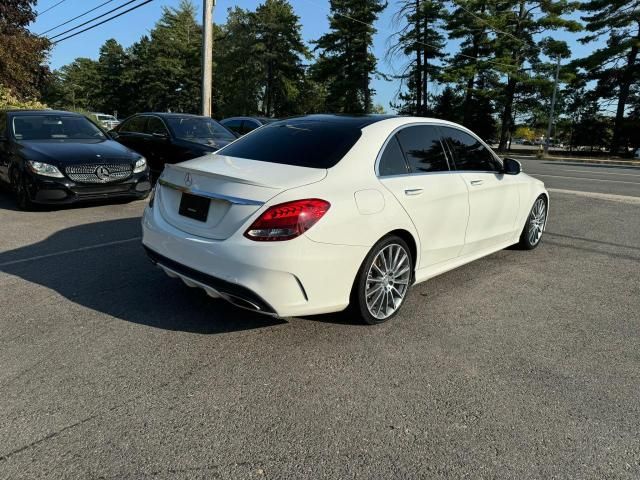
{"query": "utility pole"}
(553, 106)
(207, 55)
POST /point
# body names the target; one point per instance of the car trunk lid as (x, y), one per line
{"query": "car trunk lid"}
(214, 195)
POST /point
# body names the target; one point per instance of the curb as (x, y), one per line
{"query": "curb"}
(626, 163)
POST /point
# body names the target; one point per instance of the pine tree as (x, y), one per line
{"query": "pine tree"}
(111, 68)
(420, 41)
(516, 23)
(22, 53)
(280, 48)
(616, 66)
(236, 69)
(345, 62)
(469, 68)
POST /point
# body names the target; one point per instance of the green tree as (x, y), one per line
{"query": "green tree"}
(469, 23)
(516, 24)
(22, 54)
(237, 87)
(615, 66)
(345, 62)
(170, 62)
(280, 49)
(420, 41)
(111, 70)
(76, 86)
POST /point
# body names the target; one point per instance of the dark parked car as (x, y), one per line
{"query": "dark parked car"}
(61, 157)
(243, 125)
(171, 137)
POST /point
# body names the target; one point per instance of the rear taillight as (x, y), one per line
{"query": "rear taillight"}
(287, 220)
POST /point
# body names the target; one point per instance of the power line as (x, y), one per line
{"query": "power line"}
(75, 18)
(104, 21)
(93, 19)
(51, 7)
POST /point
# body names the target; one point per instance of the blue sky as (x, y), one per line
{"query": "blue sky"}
(130, 27)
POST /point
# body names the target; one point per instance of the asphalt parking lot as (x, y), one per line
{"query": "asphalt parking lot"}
(520, 365)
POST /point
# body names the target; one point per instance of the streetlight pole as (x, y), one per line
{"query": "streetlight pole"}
(207, 55)
(553, 106)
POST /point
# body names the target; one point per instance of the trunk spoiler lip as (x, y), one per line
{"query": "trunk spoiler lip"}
(215, 196)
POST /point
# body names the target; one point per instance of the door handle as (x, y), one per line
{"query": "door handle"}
(413, 191)
(476, 182)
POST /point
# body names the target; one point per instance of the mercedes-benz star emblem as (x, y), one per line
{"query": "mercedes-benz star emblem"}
(103, 173)
(188, 181)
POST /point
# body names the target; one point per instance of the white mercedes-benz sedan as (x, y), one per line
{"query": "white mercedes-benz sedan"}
(319, 213)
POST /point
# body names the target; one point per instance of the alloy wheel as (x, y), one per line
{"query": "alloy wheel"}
(387, 281)
(537, 220)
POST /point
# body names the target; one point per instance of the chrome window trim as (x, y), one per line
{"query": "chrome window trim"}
(447, 152)
(214, 196)
(483, 143)
(393, 133)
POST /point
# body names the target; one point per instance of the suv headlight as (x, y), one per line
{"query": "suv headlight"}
(140, 165)
(44, 169)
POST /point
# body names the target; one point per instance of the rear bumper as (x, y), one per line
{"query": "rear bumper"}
(61, 191)
(215, 287)
(284, 279)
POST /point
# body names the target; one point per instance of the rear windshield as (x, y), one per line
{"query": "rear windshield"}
(303, 143)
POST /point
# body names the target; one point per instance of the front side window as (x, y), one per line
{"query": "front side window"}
(55, 127)
(392, 161)
(134, 125)
(198, 129)
(3, 125)
(156, 126)
(299, 142)
(469, 153)
(423, 149)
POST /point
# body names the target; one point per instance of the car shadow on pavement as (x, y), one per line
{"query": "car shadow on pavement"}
(102, 266)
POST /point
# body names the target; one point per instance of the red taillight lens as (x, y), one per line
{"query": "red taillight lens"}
(287, 220)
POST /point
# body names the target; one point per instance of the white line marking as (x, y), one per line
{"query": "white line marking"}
(604, 173)
(600, 196)
(75, 250)
(583, 178)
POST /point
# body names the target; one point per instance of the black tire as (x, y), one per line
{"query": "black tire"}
(358, 303)
(528, 241)
(19, 185)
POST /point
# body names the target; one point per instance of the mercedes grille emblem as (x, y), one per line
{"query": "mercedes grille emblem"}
(103, 173)
(188, 181)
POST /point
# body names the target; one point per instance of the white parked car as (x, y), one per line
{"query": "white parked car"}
(315, 214)
(108, 122)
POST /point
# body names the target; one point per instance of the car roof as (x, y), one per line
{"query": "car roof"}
(171, 114)
(43, 111)
(357, 121)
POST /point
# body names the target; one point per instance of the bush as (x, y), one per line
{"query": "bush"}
(9, 101)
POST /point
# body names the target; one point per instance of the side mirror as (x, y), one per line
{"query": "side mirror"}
(511, 166)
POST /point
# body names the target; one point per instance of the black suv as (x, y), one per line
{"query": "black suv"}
(56, 157)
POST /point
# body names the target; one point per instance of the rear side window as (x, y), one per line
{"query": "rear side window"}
(423, 149)
(392, 160)
(248, 126)
(134, 125)
(303, 143)
(469, 153)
